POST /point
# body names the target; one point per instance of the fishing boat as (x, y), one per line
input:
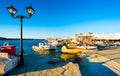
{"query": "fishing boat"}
(87, 46)
(8, 59)
(56, 42)
(68, 50)
(43, 46)
(81, 45)
(85, 42)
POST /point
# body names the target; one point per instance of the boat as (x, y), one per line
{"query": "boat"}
(56, 42)
(8, 59)
(68, 50)
(7, 63)
(43, 46)
(85, 42)
(87, 47)
(80, 45)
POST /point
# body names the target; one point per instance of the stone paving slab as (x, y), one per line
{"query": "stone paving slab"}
(112, 54)
(68, 70)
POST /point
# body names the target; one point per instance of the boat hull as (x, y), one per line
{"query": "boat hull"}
(87, 47)
(37, 48)
(66, 50)
(8, 64)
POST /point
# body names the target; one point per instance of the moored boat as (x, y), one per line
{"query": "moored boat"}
(8, 58)
(67, 50)
(7, 63)
(56, 42)
(87, 47)
(85, 42)
(43, 46)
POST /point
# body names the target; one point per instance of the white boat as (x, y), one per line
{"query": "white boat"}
(43, 46)
(7, 63)
(8, 58)
(87, 47)
(57, 43)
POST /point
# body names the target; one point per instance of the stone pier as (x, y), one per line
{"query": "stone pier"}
(69, 69)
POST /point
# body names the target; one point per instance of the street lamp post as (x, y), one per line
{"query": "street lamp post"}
(13, 11)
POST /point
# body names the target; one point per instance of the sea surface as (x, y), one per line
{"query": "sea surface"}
(86, 68)
(27, 44)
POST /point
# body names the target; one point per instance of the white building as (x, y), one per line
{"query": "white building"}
(110, 36)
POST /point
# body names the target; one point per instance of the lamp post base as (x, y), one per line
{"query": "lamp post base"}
(21, 62)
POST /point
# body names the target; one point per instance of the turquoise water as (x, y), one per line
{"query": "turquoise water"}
(87, 68)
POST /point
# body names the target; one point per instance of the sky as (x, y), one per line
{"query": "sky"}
(60, 18)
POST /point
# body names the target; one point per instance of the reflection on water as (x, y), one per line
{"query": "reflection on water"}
(68, 56)
(43, 52)
(56, 54)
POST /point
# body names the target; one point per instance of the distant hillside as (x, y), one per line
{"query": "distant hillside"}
(2, 38)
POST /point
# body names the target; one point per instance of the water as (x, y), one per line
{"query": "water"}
(27, 45)
(87, 68)
(94, 69)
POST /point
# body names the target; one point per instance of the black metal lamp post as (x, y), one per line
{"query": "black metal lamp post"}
(13, 11)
